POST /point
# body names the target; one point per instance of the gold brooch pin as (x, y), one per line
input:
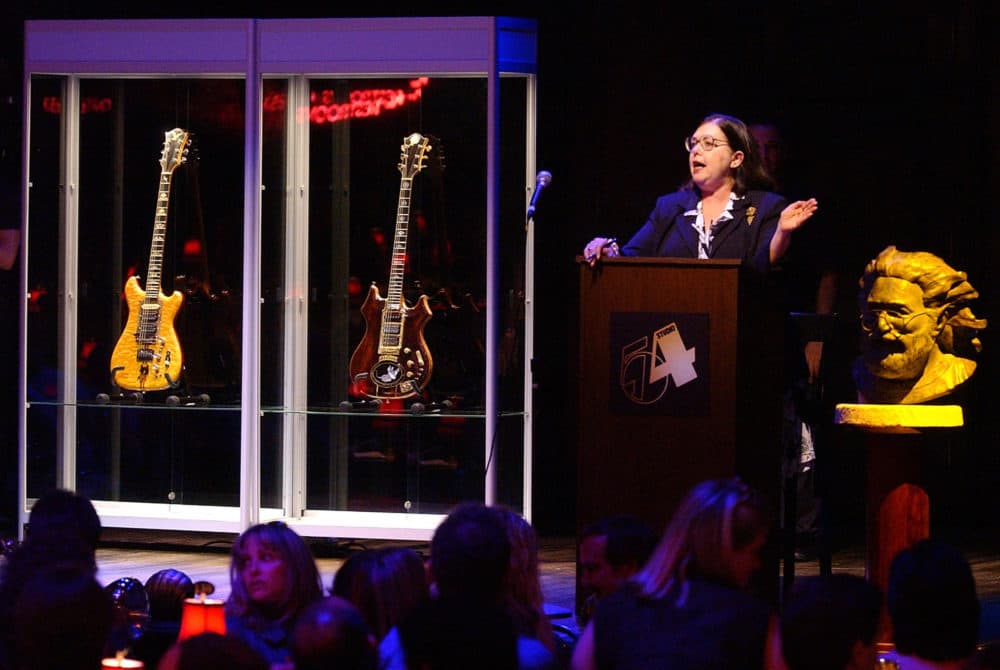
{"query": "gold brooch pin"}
(751, 212)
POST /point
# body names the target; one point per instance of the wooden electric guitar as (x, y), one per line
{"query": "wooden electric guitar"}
(392, 360)
(148, 355)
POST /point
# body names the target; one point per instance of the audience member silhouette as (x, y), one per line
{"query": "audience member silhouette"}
(63, 529)
(689, 606)
(130, 613)
(448, 635)
(166, 589)
(385, 585)
(210, 651)
(332, 633)
(830, 622)
(62, 619)
(273, 577)
(611, 550)
(932, 604)
(524, 600)
(466, 623)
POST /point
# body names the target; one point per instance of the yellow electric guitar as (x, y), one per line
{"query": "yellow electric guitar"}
(148, 355)
(392, 360)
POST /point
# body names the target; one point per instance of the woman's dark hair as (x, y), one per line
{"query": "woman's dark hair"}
(751, 174)
(166, 590)
(384, 584)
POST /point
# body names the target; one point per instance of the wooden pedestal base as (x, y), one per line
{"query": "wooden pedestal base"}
(897, 505)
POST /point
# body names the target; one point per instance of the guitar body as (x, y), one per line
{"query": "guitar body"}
(391, 368)
(392, 360)
(148, 366)
(148, 355)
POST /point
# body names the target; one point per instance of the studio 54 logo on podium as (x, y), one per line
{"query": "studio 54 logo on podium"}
(659, 363)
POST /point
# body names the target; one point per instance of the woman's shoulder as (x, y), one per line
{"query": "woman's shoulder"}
(765, 199)
(681, 195)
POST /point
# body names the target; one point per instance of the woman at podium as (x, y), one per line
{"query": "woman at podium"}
(726, 209)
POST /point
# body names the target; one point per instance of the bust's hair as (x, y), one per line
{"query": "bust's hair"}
(943, 288)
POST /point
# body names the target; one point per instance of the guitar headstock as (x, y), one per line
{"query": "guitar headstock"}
(175, 149)
(413, 154)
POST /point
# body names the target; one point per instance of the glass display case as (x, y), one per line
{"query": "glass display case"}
(278, 269)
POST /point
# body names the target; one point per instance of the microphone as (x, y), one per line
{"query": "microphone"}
(543, 179)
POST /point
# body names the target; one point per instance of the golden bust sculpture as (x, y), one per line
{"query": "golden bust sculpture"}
(916, 329)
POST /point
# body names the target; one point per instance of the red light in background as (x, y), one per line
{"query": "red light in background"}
(90, 105)
(192, 248)
(353, 287)
(323, 105)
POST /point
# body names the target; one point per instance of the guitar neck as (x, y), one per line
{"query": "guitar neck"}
(159, 238)
(394, 295)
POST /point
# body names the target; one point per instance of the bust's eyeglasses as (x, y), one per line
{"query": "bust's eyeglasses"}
(707, 143)
(898, 320)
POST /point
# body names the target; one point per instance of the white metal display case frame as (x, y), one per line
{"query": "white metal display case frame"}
(253, 49)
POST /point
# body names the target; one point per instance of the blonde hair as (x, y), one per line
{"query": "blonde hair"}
(716, 518)
(301, 588)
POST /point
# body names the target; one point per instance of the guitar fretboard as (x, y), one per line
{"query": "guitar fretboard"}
(149, 320)
(393, 315)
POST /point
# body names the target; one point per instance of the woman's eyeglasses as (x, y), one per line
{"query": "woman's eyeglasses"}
(707, 143)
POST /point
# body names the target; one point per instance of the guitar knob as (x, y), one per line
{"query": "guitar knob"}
(410, 364)
(407, 351)
(409, 374)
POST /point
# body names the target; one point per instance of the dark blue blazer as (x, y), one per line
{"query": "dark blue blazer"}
(669, 233)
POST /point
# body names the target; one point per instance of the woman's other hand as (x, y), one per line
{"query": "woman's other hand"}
(600, 246)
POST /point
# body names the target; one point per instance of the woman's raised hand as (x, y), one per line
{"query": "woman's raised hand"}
(797, 213)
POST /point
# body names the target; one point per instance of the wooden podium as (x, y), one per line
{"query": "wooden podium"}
(680, 380)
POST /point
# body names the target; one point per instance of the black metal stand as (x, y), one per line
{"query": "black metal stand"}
(118, 396)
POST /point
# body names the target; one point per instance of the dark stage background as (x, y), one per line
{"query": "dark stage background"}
(889, 111)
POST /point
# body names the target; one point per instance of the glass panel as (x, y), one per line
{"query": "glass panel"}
(43, 280)
(174, 218)
(395, 462)
(512, 238)
(274, 221)
(415, 229)
(166, 209)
